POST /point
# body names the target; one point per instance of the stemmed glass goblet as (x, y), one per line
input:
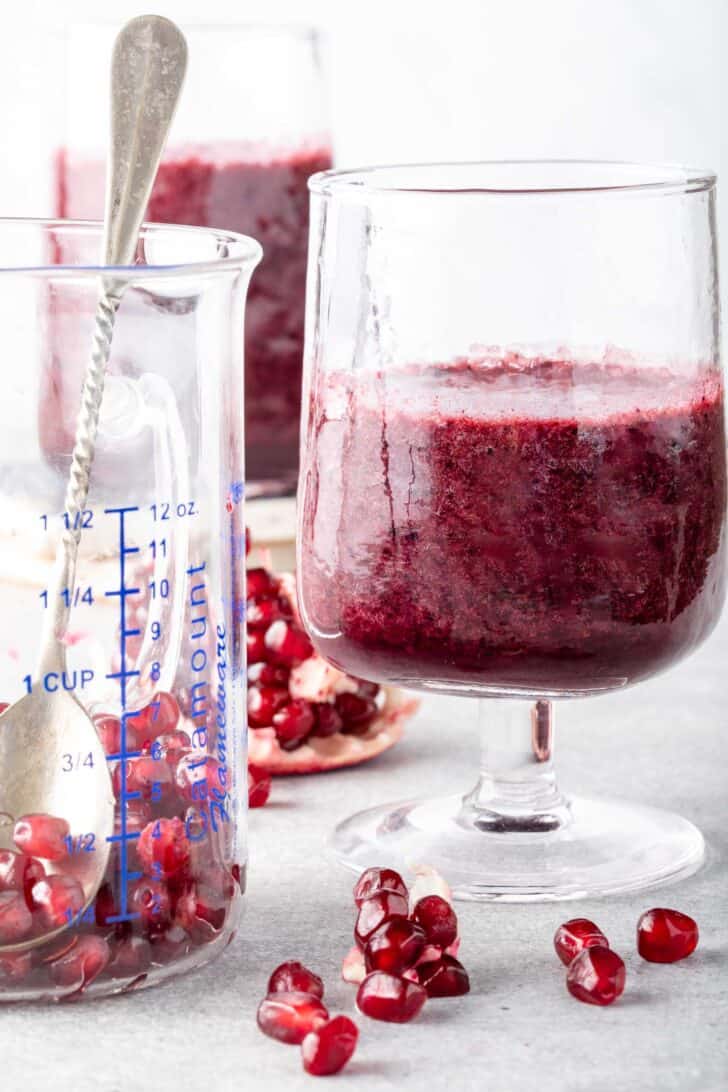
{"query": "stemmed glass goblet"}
(513, 484)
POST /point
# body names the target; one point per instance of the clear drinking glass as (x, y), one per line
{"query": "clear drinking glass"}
(154, 641)
(513, 484)
(251, 128)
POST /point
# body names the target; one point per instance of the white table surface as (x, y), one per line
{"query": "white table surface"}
(664, 742)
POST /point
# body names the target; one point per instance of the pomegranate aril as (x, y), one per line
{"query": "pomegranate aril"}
(375, 911)
(42, 836)
(215, 887)
(170, 747)
(58, 899)
(105, 906)
(199, 777)
(108, 729)
(327, 1050)
(263, 703)
(259, 785)
(286, 644)
(261, 613)
(137, 812)
(161, 715)
(665, 936)
(574, 936)
(386, 997)
(260, 584)
(82, 964)
(146, 775)
(263, 674)
(216, 880)
(445, 977)
(169, 945)
(596, 976)
(131, 955)
(163, 847)
(395, 946)
(201, 910)
(16, 920)
(18, 872)
(289, 1017)
(438, 920)
(293, 723)
(374, 880)
(151, 900)
(195, 822)
(328, 720)
(255, 646)
(356, 712)
(294, 977)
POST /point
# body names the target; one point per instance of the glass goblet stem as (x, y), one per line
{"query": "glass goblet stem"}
(517, 790)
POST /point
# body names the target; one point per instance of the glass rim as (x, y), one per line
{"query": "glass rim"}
(245, 252)
(656, 178)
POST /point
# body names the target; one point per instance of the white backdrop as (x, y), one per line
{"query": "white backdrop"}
(413, 79)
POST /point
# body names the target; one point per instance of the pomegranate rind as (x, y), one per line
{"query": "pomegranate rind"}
(315, 680)
(339, 751)
(353, 969)
(428, 881)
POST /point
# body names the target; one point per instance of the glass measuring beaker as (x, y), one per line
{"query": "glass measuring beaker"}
(154, 650)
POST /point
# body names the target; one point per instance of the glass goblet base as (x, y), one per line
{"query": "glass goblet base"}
(594, 847)
(516, 837)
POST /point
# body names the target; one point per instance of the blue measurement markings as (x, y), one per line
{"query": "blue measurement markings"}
(123, 592)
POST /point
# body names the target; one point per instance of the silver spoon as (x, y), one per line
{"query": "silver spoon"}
(148, 67)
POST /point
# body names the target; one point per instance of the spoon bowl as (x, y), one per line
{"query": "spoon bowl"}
(67, 777)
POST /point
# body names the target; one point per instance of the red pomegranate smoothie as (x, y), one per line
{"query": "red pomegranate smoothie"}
(538, 525)
(259, 192)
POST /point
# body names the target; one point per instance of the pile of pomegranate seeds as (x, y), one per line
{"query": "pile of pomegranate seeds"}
(293, 1012)
(405, 952)
(406, 944)
(596, 974)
